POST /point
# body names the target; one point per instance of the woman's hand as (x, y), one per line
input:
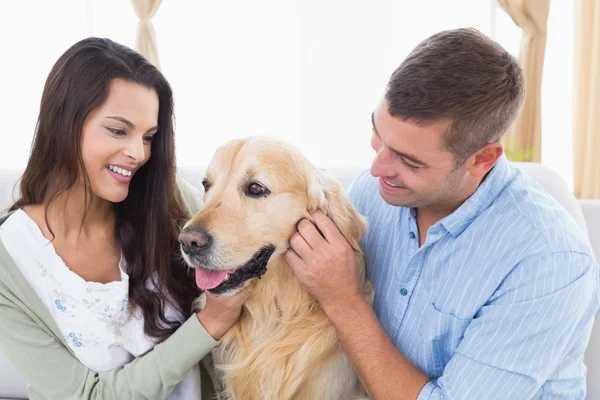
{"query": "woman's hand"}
(221, 312)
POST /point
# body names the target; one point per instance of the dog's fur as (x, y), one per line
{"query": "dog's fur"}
(283, 346)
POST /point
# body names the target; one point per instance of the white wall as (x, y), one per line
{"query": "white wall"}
(309, 71)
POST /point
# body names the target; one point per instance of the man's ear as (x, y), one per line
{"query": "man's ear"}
(326, 194)
(485, 159)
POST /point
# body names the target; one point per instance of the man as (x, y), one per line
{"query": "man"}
(485, 288)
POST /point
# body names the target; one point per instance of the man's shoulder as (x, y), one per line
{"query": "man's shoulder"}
(526, 204)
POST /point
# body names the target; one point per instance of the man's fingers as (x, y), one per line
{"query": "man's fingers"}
(299, 245)
(310, 234)
(293, 259)
(327, 226)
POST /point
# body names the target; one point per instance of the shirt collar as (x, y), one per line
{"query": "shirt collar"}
(496, 180)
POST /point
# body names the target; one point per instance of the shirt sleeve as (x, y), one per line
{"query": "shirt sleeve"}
(53, 372)
(540, 316)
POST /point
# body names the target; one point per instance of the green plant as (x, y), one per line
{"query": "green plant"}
(513, 155)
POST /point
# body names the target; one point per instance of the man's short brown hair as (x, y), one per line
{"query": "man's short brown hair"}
(465, 77)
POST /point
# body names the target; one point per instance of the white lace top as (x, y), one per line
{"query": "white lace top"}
(93, 317)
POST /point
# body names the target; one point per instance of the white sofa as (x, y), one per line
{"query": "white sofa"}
(585, 212)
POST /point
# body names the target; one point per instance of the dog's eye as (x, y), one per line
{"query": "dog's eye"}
(255, 189)
(206, 184)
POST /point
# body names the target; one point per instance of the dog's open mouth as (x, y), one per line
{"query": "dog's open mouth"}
(221, 281)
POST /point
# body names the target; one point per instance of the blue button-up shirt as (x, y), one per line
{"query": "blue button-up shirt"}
(498, 302)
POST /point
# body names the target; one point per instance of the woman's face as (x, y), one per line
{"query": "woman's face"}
(117, 137)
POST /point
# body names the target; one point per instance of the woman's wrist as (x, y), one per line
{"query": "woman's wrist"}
(213, 326)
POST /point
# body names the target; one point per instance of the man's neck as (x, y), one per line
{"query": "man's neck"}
(428, 215)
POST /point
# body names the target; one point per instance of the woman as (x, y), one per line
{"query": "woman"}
(91, 277)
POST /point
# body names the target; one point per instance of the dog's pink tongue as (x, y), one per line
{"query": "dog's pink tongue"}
(208, 279)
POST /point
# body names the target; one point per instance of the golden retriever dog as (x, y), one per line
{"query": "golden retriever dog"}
(283, 346)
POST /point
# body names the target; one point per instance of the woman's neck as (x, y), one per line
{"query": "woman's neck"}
(67, 216)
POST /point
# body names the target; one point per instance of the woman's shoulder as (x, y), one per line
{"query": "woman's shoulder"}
(4, 216)
(11, 232)
(21, 244)
(5, 258)
(10, 227)
(23, 228)
(3, 219)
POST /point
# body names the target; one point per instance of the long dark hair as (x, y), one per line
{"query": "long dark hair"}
(149, 219)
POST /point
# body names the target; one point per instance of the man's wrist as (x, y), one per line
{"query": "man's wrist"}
(339, 308)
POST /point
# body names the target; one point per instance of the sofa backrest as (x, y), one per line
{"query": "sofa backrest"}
(12, 384)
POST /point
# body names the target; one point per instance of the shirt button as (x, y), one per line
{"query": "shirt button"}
(403, 292)
(411, 235)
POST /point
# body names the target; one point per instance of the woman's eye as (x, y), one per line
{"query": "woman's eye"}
(149, 139)
(257, 190)
(117, 131)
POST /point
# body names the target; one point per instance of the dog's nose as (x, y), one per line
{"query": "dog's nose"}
(194, 239)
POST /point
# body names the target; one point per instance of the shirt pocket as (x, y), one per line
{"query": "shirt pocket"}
(446, 331)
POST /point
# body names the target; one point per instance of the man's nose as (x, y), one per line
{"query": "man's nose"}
(381, 165)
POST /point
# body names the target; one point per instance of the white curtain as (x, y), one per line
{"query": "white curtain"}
(145, 42)
(525, 136)
(586, 144)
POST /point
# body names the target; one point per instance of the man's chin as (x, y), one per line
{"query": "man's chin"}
(397, 199)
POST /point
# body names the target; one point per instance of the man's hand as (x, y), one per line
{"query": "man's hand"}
(324, 265)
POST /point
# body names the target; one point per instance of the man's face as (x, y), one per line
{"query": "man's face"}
(412, 164)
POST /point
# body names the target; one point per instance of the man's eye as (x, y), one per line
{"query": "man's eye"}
(410, 166)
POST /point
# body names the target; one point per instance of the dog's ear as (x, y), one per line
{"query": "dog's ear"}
(326, 193)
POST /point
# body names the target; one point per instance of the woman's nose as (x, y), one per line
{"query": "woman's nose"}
(135, 149)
